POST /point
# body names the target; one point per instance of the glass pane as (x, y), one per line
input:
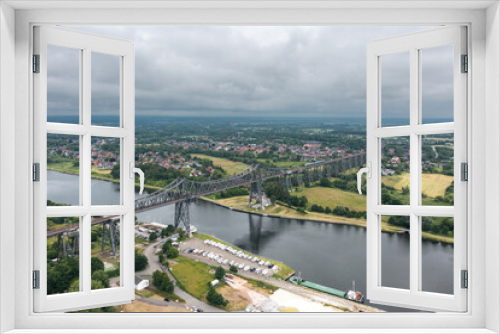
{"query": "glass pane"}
(395, 94)
(63, 85)
(105, 167)
(437, 254)
(63, 169)
(105, 252)
(395, 252)
(395, 170)
(105, 89)
(438, 169)
(437, 84)
(63, 250)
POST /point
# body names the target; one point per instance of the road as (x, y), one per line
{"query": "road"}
(154, 265)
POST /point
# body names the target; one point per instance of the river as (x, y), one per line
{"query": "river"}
(329, 254)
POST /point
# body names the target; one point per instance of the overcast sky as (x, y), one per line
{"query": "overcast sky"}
(249, 71)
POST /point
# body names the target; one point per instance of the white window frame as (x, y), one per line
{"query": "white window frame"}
(483, 21)
(86, 44)
(413, 44)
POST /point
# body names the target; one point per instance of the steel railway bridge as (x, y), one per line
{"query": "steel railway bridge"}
(182, 192)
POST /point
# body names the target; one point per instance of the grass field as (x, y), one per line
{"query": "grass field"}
(231, 167)
(432, 184)
(193, 275)
(284, 164)
(333, 197)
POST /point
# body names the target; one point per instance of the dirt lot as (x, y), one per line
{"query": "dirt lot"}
(139, 306)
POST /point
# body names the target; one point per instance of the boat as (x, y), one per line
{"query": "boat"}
(352, 295)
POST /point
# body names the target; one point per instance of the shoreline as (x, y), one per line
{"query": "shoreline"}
(101, 178)
(386, 229)
(392, 229)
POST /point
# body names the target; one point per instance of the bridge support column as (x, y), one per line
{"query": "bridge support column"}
(300, 183)
(288, 182)
(182, 216)
(256, 193)
(68, 244)
(109, 237)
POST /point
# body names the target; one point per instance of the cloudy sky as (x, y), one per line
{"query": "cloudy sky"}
(248, 71)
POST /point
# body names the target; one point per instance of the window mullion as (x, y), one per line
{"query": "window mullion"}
(414, 177)
(85, 167)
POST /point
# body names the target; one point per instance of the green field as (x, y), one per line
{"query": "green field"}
(284, 164)
(333, 197)
(194, 276)
(432, 184)
(231, 167)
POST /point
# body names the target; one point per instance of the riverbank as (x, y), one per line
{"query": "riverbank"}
(95, 174)
(240, 204)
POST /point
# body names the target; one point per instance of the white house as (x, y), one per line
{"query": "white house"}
(141, 283)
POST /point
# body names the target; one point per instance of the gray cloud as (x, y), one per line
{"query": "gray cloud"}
(249, 71)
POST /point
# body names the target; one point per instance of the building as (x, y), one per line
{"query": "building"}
(140, 283)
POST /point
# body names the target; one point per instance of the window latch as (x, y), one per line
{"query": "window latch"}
(134, 170)
(368, 171)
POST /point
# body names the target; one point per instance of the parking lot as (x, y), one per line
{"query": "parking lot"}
(218, 254)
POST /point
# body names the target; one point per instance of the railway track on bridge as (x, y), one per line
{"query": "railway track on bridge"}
(182, 191)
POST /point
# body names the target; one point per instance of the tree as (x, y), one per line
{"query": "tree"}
(141, 261)
(167, 286)
(233, 269)
(170, 229)
(182, 234)
(153, 236)
(162, 281)
(100, 276)
(172, 253)
(164, 233)
(215, 298)
(96, 264)
(115, 172)
(219, 273)
(161, 258)
(324, 182)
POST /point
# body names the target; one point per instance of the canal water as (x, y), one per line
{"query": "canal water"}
(330, 254)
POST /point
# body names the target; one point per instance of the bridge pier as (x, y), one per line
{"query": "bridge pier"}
(110, 233)
(182, 216)
(68, 244)
(255, 192)
(300, 183)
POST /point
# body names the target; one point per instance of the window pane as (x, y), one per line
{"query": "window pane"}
(395, 170)
(105, 167)
(105, 252)
(395, 95)
(105, 89)
(63, 85)
(438, 169)
(437, 84)
(63, 169)
(63, 250)
(437, 254)
(396, 253)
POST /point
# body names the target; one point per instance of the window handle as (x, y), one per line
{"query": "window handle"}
(134, 170)
(368, 171)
